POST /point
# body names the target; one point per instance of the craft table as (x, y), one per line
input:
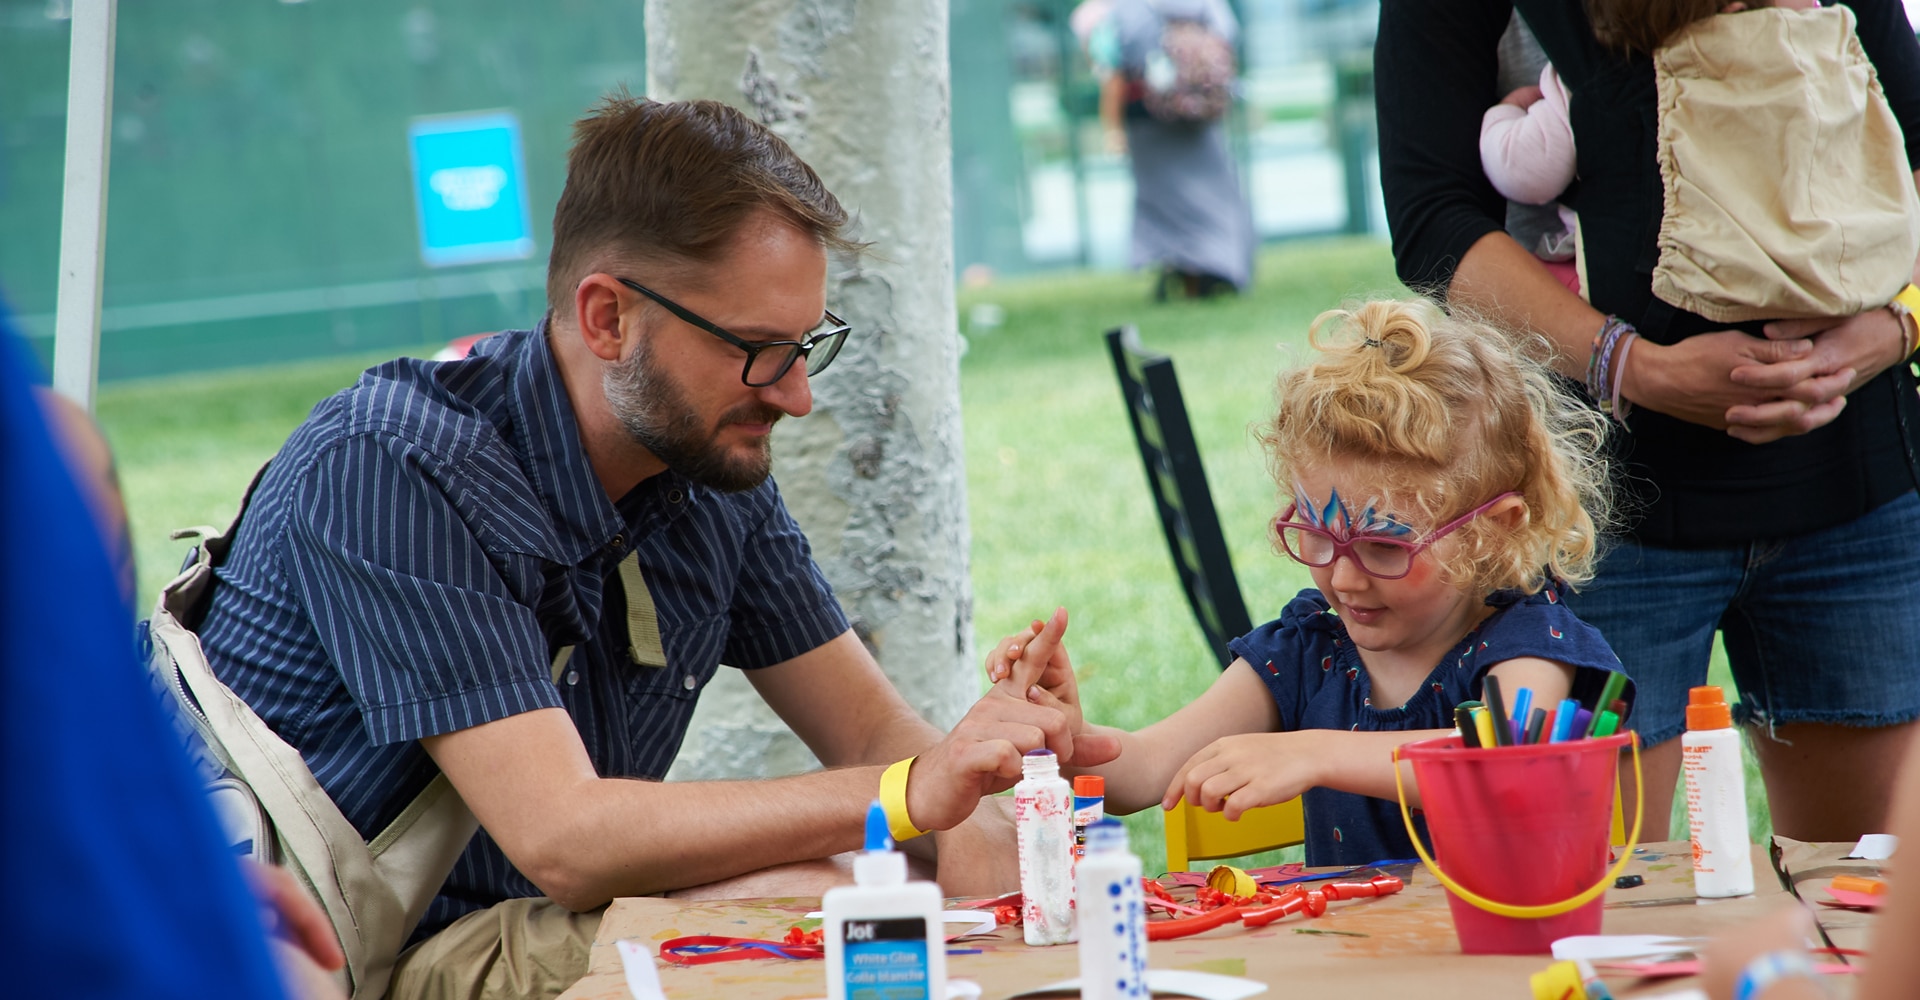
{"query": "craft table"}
(1396, 945)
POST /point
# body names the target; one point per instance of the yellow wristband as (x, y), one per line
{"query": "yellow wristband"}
(893, 798)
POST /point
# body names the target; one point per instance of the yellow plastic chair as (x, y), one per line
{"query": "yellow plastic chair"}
(1194, 834)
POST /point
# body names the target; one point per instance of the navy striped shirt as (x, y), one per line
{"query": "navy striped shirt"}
(429, 538)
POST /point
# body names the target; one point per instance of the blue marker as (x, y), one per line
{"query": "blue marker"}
(1563, 720)
(1522, 708)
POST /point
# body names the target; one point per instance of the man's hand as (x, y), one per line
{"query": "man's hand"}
(982, 754)
(1033, 664)
(1808, 392)
(1237, 773)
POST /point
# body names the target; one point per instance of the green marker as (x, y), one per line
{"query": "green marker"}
(1604, 724)
(1616, 682)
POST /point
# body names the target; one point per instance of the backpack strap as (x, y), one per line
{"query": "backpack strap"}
(373, 893)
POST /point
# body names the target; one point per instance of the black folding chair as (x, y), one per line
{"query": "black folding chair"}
(1179, 487)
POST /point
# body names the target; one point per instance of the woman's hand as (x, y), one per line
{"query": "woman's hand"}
(1845, 353)
(1237, 773)
(1693, 379)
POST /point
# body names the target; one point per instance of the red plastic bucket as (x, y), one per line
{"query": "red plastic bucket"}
(1520, 837)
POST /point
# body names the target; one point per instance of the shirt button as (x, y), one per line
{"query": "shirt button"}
(619, 542)
(673, 496)
(573, 677)
(690, 683)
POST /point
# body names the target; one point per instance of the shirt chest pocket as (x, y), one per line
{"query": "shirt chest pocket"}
(673, 661)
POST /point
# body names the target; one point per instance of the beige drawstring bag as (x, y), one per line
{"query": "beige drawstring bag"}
(1787, 188)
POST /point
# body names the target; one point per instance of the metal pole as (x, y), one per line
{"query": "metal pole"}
(83, 214)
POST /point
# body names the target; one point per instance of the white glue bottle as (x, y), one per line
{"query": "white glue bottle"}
(1716, 796)
(1043, 823)
(1112, 916)
(886, 939)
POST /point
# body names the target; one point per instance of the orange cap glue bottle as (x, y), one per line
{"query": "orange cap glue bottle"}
(1716, 796)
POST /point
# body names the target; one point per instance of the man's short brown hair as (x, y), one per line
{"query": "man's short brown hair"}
(654, 182)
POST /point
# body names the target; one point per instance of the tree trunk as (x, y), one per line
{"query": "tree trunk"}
(875, 474)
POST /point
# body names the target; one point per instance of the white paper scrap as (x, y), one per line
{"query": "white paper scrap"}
(1179, 983)
(643, 977)
(1875, 847)
(1612, 947)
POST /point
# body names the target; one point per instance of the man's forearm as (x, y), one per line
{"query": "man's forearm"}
(621, 837)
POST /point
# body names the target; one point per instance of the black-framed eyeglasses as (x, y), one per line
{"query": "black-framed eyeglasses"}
(767, 361)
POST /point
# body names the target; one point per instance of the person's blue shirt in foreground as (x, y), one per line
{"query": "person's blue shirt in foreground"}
(119, 884)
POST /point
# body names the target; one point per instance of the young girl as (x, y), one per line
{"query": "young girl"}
(1439, 487)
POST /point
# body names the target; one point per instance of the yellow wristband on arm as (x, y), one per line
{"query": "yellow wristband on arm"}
(893, 798)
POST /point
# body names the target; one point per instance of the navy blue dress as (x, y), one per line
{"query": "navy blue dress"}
(1315, 676)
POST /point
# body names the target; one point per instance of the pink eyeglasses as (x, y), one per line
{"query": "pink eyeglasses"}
(1378, 556)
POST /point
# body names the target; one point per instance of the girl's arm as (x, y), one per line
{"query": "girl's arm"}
(1241, 772)
(1036, 659)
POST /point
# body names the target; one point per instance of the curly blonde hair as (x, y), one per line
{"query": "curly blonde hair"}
(1448, 412)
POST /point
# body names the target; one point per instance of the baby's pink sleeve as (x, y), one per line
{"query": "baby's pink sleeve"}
(1528, 153)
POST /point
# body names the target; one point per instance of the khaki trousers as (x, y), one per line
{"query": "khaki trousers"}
(530, 948)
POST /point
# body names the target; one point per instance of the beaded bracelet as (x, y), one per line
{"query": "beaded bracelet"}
(1600, 366)
(1621, 407)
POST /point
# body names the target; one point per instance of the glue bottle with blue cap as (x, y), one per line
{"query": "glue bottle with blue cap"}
(885, 936)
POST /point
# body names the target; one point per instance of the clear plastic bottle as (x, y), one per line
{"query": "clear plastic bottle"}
(1112, 916)
(1043, 823)
(1716, 796)
(886, 936)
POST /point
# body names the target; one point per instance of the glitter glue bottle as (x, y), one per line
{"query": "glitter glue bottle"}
(1716, 796)
(1089, 807)
(1043, 823)
(1112, 916)
(885, 935)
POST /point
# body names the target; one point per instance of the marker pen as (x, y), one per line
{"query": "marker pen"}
(1604, 724)
(1563, 720)
(1522, 712)
(1536, 724)
(1463, 720)
(1483, 725)
(1497, 709)
(1616, 682)
(1582, 722)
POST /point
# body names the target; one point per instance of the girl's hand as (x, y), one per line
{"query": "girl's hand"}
(1238, 773)
(1033, 665)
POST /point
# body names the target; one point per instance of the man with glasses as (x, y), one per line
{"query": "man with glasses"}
(520, 568)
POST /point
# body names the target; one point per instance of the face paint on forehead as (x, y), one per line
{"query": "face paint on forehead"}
(1336, 515)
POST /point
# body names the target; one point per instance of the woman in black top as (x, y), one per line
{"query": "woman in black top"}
(1769, 469)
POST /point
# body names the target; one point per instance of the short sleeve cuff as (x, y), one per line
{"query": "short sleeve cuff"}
(456, 711)
(787, 639)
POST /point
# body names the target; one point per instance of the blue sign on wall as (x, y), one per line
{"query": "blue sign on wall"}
(469, 188)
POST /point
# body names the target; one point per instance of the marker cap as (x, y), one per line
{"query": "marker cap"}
(1089, 786)
(1707, 708)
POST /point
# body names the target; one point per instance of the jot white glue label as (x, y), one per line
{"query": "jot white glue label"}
(885, 936)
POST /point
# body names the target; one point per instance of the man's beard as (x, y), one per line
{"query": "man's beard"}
(657, 414)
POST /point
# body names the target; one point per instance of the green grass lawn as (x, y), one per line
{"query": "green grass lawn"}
(1057, 498)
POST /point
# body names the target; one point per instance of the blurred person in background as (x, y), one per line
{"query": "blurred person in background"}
(1168, 75)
